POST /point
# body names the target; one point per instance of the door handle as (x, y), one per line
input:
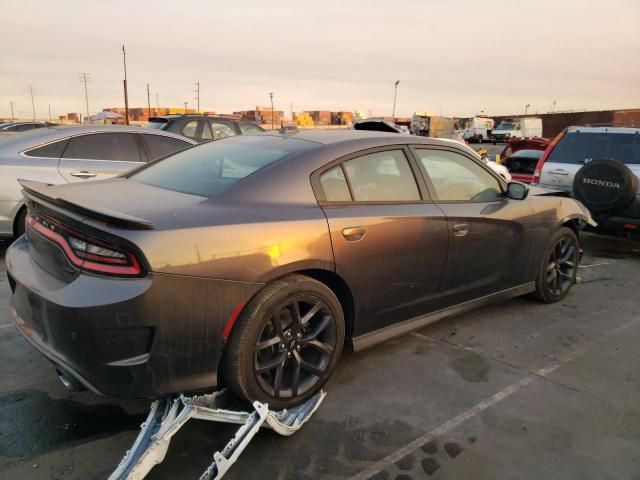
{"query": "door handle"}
(460, 230)
(353, 234)
(83, 174)
(558, 172)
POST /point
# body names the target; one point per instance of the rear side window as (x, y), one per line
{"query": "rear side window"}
(50, 150)
(382, 177)
(189, 130)
(246, 128)
(215, 166)
(582, 147)
(334, 185)
(104, 146)
(160, 146)
(220, 130)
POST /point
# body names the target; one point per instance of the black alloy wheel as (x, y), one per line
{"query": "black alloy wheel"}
(559, 267)
(561, 270)
(285, 343)
(295, 347)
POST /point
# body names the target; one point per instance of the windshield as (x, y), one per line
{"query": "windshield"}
(581, 147)
(157, 124)
(506, 126)
(213, 167)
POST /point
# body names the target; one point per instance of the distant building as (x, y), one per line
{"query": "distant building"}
(262, 115)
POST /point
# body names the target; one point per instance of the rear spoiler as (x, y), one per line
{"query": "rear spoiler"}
(39, 190)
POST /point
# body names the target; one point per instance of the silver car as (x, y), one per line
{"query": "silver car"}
(66, 154)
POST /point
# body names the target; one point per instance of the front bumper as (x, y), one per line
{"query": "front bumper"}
(126, 338)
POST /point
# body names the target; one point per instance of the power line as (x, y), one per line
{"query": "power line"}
(33, 103)
(86, 78)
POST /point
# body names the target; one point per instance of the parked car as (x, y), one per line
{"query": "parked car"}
(600, 166)
(378, 125)
(252, 262)
(16, 127)
(72, 154)
(203, 128)
(496, 167)
(521, 155)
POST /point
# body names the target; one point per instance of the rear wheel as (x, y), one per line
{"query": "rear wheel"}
(286, 342)
(559, 267)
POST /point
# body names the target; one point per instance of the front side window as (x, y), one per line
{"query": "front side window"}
(220, 130)
(215, 166)
(382, 176)
(104, 146)
(458, 178)
(50, 150)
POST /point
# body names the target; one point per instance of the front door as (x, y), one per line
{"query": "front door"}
(488, 249)
(97, 156)
(390, 243)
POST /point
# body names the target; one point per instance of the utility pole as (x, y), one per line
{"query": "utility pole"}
(395, 94)
(272, 119)
(291, 108)
(197, 97)
(185, 107)
(126, 94)
(50, 113)
(526, 108)
(12, 105)
(148, 101)
(157, 103)
(85, 78)
(33, 103)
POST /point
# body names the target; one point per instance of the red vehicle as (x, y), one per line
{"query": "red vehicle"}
(521, 155)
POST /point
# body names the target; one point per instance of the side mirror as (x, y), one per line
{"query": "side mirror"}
(517, 191)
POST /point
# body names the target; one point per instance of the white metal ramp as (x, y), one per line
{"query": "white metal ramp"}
(168, 415)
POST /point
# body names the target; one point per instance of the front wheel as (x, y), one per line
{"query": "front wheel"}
(559, 267)
(286, 342)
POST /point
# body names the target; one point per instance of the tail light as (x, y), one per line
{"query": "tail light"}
(538, 171)
(86, 252)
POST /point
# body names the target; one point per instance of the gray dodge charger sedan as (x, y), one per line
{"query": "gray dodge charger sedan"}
(67, 154)
(254, 261)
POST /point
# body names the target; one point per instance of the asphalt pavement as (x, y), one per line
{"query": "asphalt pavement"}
(514, 390)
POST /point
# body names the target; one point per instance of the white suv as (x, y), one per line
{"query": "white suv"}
(599, 166)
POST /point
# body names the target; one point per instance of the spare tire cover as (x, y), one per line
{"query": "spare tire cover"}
(605, 185)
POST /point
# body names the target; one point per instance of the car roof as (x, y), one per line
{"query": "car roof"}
(33, 138)
(174, 116)
(336, 136)
(603, 129)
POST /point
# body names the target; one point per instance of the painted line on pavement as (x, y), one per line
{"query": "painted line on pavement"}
(483, 405)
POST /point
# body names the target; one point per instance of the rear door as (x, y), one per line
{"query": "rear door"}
(390, 242)
(489, 250)
(96, 156)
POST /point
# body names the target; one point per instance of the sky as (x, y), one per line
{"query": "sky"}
(452, 57)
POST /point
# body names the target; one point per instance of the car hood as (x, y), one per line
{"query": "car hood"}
(377, 126)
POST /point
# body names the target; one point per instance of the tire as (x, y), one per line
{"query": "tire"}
(19, 223)
(605, 186)
(267, 374)
(559, 267)
(479, 139)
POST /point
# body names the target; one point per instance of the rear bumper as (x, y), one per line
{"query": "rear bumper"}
(126, 338)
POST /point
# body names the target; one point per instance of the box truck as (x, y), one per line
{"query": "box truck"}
(477, 129)
(525, 127)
